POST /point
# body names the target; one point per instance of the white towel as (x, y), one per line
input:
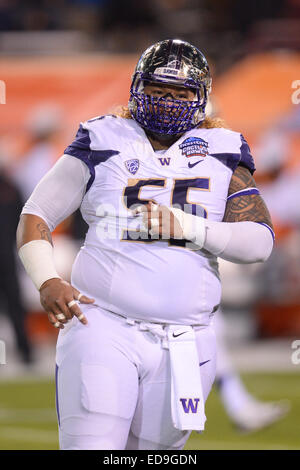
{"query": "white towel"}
(186, 388)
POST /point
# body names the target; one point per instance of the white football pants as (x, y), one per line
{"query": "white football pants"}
(113, 384)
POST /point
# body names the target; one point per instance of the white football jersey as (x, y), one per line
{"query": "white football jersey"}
(127, 272)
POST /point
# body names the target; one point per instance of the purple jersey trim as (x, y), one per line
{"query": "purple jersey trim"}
(243, 192)
(268, 226)
(246, 158)
(81, 149)
(231, 160)
(56, 393)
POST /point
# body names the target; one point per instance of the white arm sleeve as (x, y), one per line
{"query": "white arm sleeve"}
(239, 242)
(60, 191)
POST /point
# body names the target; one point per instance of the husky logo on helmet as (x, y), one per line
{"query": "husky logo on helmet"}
(176, 63)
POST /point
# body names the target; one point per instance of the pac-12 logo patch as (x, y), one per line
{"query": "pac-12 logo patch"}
(194, 147)
(132, 165)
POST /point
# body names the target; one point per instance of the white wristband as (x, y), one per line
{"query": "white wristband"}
(193, 227)
(37, 258)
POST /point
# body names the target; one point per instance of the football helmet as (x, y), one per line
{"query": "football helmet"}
(176, 63)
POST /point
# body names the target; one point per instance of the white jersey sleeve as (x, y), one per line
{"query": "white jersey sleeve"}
(60, 191)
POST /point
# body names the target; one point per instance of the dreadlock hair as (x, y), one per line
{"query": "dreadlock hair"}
(207, 123)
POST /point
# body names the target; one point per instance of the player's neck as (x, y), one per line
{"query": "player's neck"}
(161, 142)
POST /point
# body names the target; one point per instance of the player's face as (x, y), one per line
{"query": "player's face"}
(172, 96)
(159, 90)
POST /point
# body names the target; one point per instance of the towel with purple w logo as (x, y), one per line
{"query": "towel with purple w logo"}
(186, 388)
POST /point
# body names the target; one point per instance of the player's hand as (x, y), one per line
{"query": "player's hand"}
(160, 221)
(59, 298)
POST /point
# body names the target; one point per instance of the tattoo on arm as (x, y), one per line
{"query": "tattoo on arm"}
(241, 179)
(45, 232)
(245, 208)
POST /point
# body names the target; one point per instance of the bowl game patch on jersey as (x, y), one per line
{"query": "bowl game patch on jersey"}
(194, 147)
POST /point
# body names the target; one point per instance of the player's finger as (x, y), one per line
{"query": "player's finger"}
(144, 208)
(156, 217)
(58, 312)
(154, 207)
(152, 210)
(148, 220)
(64, 315)
(75, 310)
(82, 298)
(165, 223)
(140, 209)
(53, 320)
(145, 223)
(86, 300)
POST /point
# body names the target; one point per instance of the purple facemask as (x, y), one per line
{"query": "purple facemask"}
(165, 115)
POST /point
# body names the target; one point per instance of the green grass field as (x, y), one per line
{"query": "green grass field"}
(28, 419)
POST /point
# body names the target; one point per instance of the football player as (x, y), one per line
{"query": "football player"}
(165, 192)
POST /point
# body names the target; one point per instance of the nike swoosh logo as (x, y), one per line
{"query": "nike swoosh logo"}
(175, 336)
(202, 363)
(191, 165)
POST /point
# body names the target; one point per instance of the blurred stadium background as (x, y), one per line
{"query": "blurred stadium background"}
(64, 61)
